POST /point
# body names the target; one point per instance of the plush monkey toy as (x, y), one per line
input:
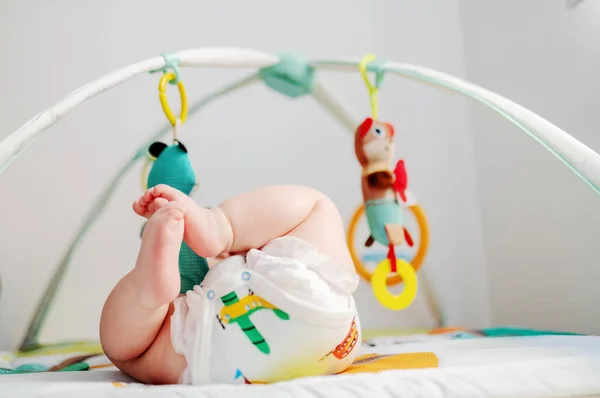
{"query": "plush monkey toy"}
(382, 187)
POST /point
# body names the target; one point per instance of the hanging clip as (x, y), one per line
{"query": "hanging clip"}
(367, 64)
(172, 76)
(171, 64)
(162, 95)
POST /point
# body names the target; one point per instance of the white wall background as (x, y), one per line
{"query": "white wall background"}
(541, 225)
(51, 48)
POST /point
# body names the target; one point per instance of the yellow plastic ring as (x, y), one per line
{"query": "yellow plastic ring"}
(416, 262)
(400, 301)
(162, 95)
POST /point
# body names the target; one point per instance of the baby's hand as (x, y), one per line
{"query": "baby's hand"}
(207, 232)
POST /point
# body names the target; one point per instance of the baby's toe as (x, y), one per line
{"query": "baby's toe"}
(156, 205)
(173, 210)
(139, 208)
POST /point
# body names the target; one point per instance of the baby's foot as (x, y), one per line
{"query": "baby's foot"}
(207, 231)
(156, 272)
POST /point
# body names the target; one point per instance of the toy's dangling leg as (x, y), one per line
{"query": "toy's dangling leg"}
(392, 257)
(408, 238)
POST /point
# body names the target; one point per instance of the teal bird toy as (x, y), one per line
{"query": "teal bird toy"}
(172, 167)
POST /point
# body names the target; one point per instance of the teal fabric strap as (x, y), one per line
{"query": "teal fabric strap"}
(377, 66)
(292, 76)
(517, 331)
(172, 64)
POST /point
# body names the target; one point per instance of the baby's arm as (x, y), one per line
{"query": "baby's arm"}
(133, 335)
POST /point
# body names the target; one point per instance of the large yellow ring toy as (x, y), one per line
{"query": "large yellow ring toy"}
(162, 94)
(416, 262)
(400, 301)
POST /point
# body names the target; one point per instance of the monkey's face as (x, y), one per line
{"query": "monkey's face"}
(375, 142)
(378, 144)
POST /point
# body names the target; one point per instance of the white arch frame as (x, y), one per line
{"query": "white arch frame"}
(581, 160)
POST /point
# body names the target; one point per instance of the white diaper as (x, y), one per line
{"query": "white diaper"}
(275, 314)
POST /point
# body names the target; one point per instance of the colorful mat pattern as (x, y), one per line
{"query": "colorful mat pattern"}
(88, 355)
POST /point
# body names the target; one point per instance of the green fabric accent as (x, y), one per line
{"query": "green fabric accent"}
(31, 368)
(192, 268)
(516, 331)
(26, 368)
(172, 63)
(292, 76)
(173, 168)
(76, 367)
(378, 215)
(38, 368)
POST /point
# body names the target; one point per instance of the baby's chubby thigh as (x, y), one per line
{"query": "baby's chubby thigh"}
(280, 313)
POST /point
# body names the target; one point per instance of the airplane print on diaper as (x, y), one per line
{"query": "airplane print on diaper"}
(238, 310)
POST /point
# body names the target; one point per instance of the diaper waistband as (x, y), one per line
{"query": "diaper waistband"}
(270, 292)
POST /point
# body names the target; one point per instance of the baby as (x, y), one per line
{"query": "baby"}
(276, 303)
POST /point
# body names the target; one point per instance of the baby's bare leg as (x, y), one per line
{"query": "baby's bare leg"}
(254, 218)
(132, 330)
(135, 310)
